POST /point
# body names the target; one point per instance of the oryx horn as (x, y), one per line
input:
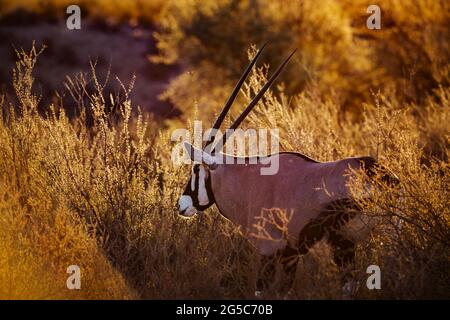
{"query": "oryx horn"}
(253, 103)
(232, 97)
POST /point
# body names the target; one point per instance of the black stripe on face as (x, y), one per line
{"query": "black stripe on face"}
(209, 191)
(194, 193)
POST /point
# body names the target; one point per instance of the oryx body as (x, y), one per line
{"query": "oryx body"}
(302, 186)
(317, 194)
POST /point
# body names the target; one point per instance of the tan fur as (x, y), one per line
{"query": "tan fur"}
(301, 185)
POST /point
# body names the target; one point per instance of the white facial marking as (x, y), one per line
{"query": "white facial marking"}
(201, 192)
(193, 177)
(186, 205)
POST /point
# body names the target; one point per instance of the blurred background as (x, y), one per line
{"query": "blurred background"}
(189, 53)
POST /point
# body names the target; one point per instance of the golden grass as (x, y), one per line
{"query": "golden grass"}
(103, 197)
(100, 190)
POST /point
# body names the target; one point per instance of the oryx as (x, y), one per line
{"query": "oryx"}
(317, 193)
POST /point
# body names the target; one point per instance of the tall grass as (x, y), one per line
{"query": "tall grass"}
(103, 196)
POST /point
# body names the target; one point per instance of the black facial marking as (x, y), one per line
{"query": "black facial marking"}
(194, 193)
(196, 181)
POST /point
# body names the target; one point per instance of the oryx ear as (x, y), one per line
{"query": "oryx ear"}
(198, 155)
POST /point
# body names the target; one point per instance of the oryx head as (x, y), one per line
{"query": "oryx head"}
(198, 194)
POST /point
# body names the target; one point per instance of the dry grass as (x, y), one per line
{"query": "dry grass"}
(100, 190)
(104, 197)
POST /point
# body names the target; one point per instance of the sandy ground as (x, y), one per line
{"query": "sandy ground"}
(124, 49)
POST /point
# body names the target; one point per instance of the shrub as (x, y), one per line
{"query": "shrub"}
(104, 196)
(337, 54)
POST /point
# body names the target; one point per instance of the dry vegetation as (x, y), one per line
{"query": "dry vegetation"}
(100, 190)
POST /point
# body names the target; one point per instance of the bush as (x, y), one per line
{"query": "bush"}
(337, 55)
(111, 11)
(104, 197)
